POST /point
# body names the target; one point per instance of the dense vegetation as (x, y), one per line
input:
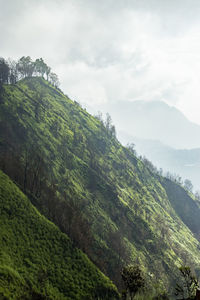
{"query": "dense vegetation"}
(187, 210)
(37, 261)
(108, 201)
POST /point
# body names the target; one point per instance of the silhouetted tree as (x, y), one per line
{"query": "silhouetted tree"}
(25, 66)
(197, 195)
(54, 79)
(47, 72)
(174, 177)
(13, 73)
(188, 285)
(109, 126)
(108, 121)
(133, 279)
(99, 116)
(149, 165)
(188, 185)
(41, 67)
(131, 148)
(4, 71)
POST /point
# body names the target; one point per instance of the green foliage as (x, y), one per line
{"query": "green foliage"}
(188, 285)
(36, 259)
(149, 296)
(76, 172)
(4, 71)
(133, 279)
(11, 71)
(186, 208)
(149, 292)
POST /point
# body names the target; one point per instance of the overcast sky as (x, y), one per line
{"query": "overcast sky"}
(111, 50)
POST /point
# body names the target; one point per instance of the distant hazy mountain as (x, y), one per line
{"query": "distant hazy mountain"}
(157, 121)
(159, 131)
(183, 162)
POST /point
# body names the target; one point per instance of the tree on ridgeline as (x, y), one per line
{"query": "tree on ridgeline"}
(48, 72)
(4, 71)
(149, 165)
(174, 177)
(131, 148)
(11, 71)
(109, 126)
(25, 67)
(197, 195)
(41, 68)
(188, 185)
(53, 78)
(107, 123)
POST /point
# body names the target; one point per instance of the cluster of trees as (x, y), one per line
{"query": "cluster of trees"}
(137, 286)
(133, 280)
(11, 71)
(107, 123)
(186, 184)
(187, 287)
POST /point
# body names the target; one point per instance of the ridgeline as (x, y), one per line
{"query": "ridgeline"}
(99, 194)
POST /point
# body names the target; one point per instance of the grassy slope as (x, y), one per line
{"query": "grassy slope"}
(35, 257)
(85, 164)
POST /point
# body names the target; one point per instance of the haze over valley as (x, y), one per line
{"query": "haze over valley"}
(161, 133)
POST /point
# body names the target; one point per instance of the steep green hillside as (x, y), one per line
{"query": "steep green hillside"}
(77, 173)
(186, 208)
(37, 261)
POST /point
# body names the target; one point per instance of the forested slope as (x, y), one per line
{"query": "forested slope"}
(37, 261)
(186, 208)
(76, 172)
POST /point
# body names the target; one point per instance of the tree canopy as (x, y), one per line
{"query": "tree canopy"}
(133, 279)
(11, 71)
(4, 71)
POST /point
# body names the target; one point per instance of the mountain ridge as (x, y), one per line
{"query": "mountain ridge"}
(84, 180)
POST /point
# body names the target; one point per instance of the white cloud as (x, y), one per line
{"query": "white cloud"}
(112, 50)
